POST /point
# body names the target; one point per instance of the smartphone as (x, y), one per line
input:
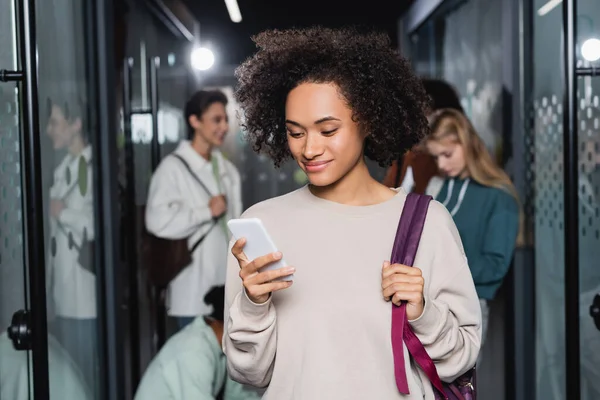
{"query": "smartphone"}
(258, 242)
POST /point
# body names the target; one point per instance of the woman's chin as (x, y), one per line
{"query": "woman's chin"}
(320, 180)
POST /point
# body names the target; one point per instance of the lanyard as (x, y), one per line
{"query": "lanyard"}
(461, 195)
(215, 168)
(217, 174)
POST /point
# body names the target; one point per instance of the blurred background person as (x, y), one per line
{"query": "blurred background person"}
(192, 193)
(416, 168)
(480, 197)
(71, 273)
(191, 365)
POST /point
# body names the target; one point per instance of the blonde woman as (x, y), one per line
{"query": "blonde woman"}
(480, 197)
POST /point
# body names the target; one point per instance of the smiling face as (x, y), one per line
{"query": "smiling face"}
(212, 125)
(322, 136)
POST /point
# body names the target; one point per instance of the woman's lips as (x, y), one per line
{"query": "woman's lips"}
(316, 166)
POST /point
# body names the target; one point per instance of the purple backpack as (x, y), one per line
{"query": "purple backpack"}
(404, 252)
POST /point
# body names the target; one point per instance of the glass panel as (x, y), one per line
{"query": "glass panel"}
(14, 375)
(67, 133)
(546, 177)
(474, 62)
(589, 195)
(174, 89)
(141, 124)
(423, 50)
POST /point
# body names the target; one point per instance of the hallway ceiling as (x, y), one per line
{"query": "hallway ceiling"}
(232, 40)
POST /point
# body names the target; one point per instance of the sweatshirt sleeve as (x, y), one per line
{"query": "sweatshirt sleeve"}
(490, 265)
(169, 213)
(250, 334)
(450, 326)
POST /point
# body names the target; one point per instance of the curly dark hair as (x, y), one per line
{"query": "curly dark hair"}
(387, 99)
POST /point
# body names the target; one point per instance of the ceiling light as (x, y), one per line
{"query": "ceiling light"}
(234, 10)
(202, 58)
(549, 6)
(590, 49)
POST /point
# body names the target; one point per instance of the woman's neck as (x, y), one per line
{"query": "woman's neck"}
(217, 327)
(77, 145)
(357, 188)
(201, 146)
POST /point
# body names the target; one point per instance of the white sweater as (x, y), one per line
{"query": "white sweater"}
(73, 288)
(328, 335)
(178, 208)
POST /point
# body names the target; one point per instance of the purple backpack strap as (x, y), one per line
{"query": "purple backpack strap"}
(405, 248)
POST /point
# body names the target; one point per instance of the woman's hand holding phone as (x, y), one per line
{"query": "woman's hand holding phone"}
(260, 285)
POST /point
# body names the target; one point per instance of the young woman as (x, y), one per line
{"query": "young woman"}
(481, 199)
(417, 168)
(179, 206)
(330, 98)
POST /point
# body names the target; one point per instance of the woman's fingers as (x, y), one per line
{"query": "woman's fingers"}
(260, 293)
(400, 278)
(401, 288)
(266, 276)
(399, 269)
(259, 263)
(238, 252)
(402, 283)
(259, 285)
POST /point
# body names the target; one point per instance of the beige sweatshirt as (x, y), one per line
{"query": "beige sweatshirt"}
(328, 335)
